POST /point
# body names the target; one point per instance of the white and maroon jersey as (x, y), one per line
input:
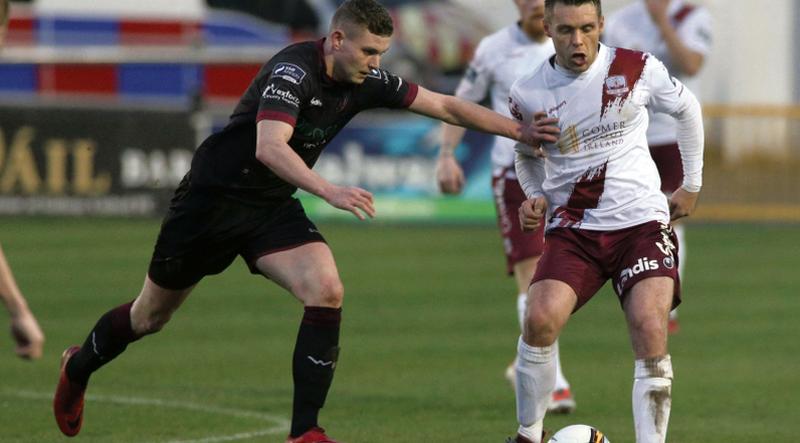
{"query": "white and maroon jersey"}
(631, 27)
(599, 175)
(500, 59)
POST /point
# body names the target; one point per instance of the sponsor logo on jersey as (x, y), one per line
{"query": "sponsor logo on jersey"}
(553, 112)
(617, 85)
(289, 72)
(316, 102)
(642, 265)
(375, 73)
(274, 92)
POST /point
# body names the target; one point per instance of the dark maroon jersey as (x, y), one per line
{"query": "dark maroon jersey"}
(292, 87)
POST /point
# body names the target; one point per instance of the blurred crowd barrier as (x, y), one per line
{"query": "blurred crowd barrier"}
(99, 115)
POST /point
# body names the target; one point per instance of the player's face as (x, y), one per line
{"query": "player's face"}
(357, 55)
(531, 16)
(575, 31)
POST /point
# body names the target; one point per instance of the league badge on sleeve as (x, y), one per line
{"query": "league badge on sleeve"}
(289, 72)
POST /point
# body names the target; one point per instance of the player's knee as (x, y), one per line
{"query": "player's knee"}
(323, 290)
(542, 328)
(149, 324)
(331, 292)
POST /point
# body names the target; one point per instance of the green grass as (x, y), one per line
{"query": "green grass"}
(429, 326)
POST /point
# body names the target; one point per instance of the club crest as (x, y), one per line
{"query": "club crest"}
(617, 85)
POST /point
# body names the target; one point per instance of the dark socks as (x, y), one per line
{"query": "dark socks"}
(108, 339)
(315, 356)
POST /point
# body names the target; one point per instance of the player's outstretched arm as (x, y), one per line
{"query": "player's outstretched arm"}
(24, 328)
(456, 111)
(273, 150)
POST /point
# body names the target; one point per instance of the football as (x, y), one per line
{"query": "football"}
(578, 434)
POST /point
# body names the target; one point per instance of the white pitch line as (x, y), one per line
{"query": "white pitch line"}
(281, 425)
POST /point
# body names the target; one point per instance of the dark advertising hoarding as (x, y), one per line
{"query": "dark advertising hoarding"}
(72, 161)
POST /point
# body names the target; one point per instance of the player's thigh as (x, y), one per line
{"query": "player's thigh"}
(647, 309)
(523, 273)
(308, 271)
(550, 303)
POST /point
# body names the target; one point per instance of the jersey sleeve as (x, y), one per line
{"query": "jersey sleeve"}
(667, 93)
(282, 93)
(474, 85)
(528, 166)
(520, 111)
(382, 89)
(696, 31)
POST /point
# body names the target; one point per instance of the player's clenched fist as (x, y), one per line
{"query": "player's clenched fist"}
(532, 212)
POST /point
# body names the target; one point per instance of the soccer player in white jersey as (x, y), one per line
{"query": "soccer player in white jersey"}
(591, 177)
(679, 34)
(500, 59)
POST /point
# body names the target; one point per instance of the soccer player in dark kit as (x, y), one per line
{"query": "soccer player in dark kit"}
(237, 200)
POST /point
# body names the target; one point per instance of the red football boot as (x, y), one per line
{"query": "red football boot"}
(68, 401)
(313, 435)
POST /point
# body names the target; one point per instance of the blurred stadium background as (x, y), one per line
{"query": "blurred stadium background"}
(103, 102)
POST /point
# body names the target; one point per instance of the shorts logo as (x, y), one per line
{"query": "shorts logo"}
(668, 262)
(666, 244)
(617, 85)
(289, 72)
(642, 265)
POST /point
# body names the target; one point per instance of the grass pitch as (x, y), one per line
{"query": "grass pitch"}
(429, 326)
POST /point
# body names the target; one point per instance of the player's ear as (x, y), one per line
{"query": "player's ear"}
(337, 38)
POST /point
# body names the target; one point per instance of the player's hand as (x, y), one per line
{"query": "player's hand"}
(353, 199)
(28, 336)
(543, 129)
(532, 213)
(682, 203)
(449, 174)
(658, 10)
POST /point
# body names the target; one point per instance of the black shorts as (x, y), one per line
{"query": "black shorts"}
(204, 231)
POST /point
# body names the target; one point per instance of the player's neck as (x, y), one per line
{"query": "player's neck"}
(535, 36)
(327, 56)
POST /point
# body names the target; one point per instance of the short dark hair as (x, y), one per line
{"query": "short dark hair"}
(550, 4)
(366, 14)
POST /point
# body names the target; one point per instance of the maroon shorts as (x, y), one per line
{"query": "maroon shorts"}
(518, 245)
(670, 168)
(585, 259)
